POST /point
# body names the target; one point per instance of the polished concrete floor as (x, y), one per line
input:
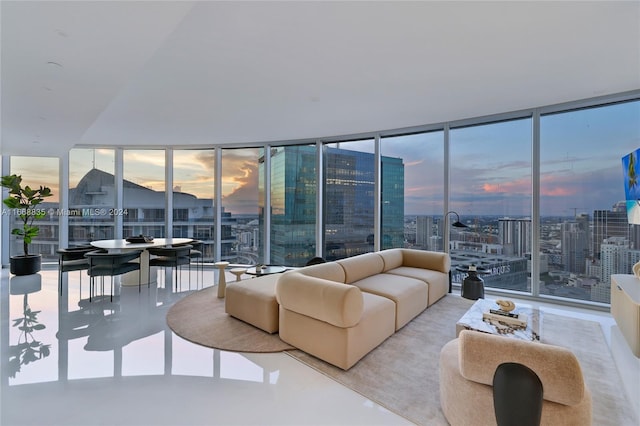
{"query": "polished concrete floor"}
(68, 361)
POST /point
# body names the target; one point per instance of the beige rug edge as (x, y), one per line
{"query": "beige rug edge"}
(200, 318)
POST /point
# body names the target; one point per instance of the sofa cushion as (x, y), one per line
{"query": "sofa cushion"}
(329, 271)
(558, 368)
(434, 260)
(409, 294)
(424, 259)
(335, 303)
(392, 258)
(361, 266)
(438, 281)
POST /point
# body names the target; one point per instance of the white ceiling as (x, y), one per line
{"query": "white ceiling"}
(208, 72)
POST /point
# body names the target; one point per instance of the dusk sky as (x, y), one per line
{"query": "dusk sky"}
(581, 167)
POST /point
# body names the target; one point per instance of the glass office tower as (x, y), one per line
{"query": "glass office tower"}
(349, 185)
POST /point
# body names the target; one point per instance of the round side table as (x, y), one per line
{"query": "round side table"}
(222, 281)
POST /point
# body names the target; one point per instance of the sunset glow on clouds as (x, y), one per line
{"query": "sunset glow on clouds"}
(521, 186)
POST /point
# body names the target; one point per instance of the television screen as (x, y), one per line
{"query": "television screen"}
(631, 172)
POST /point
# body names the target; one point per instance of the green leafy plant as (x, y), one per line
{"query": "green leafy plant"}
(24, 202)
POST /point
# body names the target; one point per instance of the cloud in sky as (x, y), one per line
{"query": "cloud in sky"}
(240, 181)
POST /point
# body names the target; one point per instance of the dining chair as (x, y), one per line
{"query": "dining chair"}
(72, 259)
(170, 257)
(102, 264)
(196, 253)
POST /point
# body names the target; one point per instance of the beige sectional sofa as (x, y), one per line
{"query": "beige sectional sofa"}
(339, 311)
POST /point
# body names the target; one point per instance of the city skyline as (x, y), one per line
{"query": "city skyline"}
(580, 172)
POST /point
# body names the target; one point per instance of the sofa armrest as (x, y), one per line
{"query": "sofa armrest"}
(434, 260)
(558, 368)
(335, 303)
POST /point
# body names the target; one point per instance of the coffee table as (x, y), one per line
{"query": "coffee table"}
(266, 270)
(473, 320)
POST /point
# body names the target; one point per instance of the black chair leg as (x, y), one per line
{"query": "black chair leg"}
(517, 395)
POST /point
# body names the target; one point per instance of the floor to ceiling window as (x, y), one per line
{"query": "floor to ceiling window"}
(491, 190)
(412, 191)
(144, 192)
(241, 238)
(36, 172)
(584, 234)
(293, 204)
(349, 198)
(193, 194)
(91, 195)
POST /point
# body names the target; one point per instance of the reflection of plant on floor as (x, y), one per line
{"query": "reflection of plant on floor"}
(28, 348)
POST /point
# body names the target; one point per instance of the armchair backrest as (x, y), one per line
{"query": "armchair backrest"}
(557, 367)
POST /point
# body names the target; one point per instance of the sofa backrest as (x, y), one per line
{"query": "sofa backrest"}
(392, 258)
(361, 266)
(335, 303)
(558, 368)
(329, 271)
(433, 260)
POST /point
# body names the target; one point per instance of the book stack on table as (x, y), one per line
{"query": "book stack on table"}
(505, 317)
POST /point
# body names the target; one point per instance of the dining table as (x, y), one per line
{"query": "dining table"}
(119, 245)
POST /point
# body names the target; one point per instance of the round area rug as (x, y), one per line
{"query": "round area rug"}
(200, 318)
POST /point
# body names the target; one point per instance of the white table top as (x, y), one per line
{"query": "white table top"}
(123, 244)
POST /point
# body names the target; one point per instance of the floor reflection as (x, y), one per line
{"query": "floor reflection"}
(60, 348)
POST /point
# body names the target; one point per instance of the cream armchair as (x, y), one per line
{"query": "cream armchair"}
(468, 364)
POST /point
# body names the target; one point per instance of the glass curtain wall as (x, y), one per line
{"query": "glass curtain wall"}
(583, 238)
(293, 204)
(144, 193)
(91, 195)
(193, 197)
(584, 234)
(412, 174)
(36, 172)
(241, 236)
(349, 198)
(491, 190)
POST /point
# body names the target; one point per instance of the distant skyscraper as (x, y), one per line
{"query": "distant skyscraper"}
(612, 258)
(515, 236)
(575, 247)
(609, 223)
(424, 232)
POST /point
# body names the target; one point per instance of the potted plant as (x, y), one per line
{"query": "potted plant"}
(24, 203)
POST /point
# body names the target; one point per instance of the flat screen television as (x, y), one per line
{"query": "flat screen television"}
(631, 174)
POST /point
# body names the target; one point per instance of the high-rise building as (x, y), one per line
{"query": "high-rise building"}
(515, 236)
(424, 232)
(610, 223)
(349, 203)
(575, 247)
